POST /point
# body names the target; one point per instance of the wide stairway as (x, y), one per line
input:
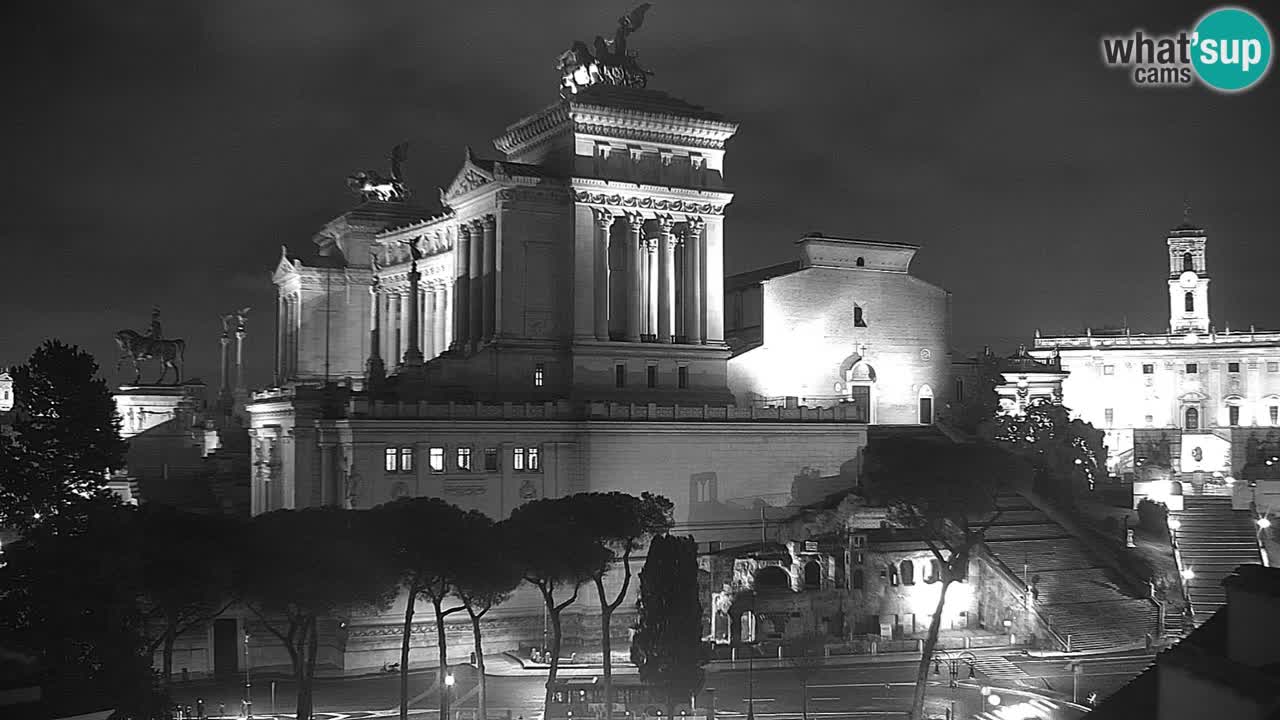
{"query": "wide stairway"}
(1076, 592)
(1212, 542)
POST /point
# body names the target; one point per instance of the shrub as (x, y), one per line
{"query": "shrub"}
(1153, 516)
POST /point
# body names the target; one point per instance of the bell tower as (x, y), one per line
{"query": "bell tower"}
(1188, 278)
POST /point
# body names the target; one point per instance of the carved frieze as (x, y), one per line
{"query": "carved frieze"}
(464, 488)
(648, 203)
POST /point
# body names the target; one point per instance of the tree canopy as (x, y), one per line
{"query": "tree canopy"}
(65, 440)
(1068, 455)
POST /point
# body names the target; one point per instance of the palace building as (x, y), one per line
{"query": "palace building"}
(1196, 402)
(559, 326)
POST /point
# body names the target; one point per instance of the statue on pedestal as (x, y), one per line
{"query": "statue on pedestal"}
(371, 185)
(612, 63)
(138, 347)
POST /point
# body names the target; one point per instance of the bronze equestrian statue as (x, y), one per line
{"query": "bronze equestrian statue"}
(138, 347)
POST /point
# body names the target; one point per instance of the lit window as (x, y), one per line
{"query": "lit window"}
(651, 376)
(682, 377)
(1148, 369)
(538, 375)
(858, 319)
(859, 541)
(1149, 420)
(389, 460)
(517, 459)
(436, 459)
(1192, 369)
(491, 459)
(406, 459)
(1108, 369)
(620, 375)
(535, 462)
(1110, 414)
(464, 458)
(1274, 413)
(1233, 367)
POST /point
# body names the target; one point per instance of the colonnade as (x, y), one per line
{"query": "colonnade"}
(663, 266)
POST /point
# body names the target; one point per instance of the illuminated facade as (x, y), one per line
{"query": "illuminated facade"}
(1194, 400)
(846, 325)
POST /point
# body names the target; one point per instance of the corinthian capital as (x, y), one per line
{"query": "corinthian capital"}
(667, 224)
(489, 222)
(635, 221)
(604, 218)
(695, 224)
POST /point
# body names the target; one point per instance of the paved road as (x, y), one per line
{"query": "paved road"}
(1098, 674)
(881, 690)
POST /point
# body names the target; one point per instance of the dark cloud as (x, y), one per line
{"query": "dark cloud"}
(161, 152)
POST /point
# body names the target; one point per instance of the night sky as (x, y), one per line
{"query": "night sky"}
(159, 153)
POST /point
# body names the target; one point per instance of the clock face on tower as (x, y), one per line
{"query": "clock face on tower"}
(1188, 279)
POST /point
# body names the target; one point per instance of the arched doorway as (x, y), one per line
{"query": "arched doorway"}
(925, 401)
(1192, 417)
(812, 575)
(772, 578)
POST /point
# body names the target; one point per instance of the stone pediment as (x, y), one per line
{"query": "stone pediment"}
(285, 267)
(469, 177)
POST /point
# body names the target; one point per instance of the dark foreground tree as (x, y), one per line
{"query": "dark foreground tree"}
(1068, 455)
(188, 574)
(667, 647)
(304, 565)
(485, 582)
(947, 494)
(65, 440)
(71, 598)
(429, 548)
(621, 524)
(555, 555)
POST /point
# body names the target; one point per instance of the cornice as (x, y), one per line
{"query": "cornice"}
(638, 200)
(532, 129)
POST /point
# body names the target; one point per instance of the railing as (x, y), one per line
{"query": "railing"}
(1046, 342)
(563, 410)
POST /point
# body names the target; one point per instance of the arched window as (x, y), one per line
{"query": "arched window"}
(813, 575)
(858, 579)
(1188, 262)
(925, 399)
(860, 262)
(858, 319)
(933, 574)
(1189, 300)
(1193, 419)
(908, 573)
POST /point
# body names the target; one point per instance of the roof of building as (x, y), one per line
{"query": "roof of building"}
(755, 277)
(643, 100)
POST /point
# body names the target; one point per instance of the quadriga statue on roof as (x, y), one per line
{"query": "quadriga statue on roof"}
(370, 185)
(610, 64)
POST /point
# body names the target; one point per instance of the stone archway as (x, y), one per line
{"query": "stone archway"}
(772, 577)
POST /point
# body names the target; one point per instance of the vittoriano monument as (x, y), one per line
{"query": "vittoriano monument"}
(370, 185)
(138, 347)
(610, 64)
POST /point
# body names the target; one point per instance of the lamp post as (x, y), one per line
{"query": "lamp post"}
(448, 692)
(248, 685)
(953, 661)
(1174, 524)
(1263, 522)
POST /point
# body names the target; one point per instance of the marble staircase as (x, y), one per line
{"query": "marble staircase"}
(1213, 540)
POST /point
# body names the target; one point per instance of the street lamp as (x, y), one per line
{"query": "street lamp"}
(448, 692)
(1188, 574)
(248, 685)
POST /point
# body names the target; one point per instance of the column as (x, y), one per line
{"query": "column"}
(448, 318)
(395, 327)
(693, 280)
(412, 330)
(489, 282)
(475, 300)
(635, 260)
(713, 278)
(651, 283)
(666, 279)
(425, 336)
(462, 288)
(604, 221)
(280, 325)
(438, 314)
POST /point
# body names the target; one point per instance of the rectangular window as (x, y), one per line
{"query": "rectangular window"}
(1233, 367)
(517, 459)
(959, 389)
(1274, 412)
(651, 376)
(435, 459)
(406, 459)
(1148, 369)
(620, 375)
(1192, 369)
(535, 462)
(1273, 367)
(1233, 415)
(389, 460)
(1110, 415)
(682, 377)
(859, 541)
(1149, 420)
(491, 459)
(538, 375)
(464, 459)
(1108, 369)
